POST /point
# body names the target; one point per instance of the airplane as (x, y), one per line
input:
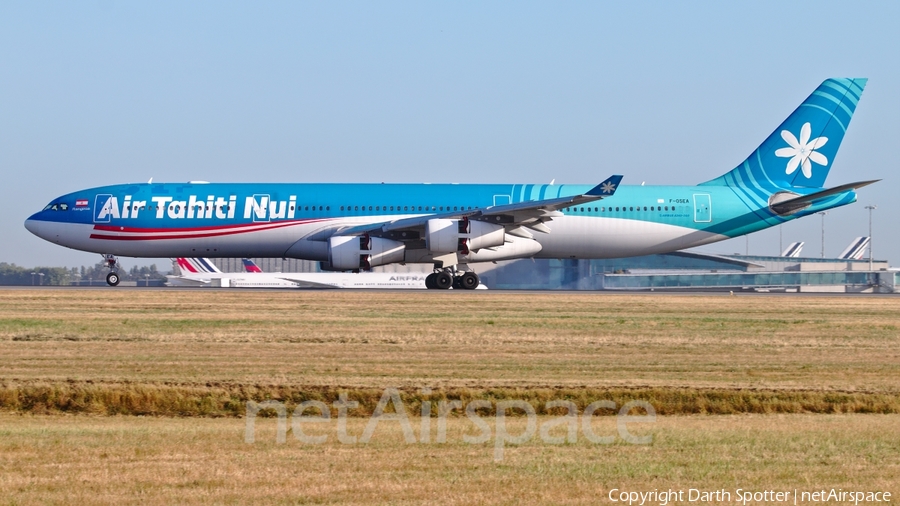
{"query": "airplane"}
(354, 227)
(201, 272)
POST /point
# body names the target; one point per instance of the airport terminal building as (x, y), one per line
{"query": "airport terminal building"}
(685, 270)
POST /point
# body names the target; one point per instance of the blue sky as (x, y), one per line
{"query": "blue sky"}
(96, 93)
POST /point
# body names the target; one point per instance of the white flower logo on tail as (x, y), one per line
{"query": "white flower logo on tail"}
(803, 151)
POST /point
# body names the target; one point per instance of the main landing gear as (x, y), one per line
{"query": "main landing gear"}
(448, 278)
(112, 263)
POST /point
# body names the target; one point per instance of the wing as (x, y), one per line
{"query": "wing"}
(518, 217)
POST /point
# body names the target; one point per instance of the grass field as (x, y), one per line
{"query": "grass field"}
(799, 353)
(806, 392)
(134, 460)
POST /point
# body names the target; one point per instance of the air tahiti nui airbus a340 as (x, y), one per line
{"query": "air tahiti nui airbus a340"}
(351, 227)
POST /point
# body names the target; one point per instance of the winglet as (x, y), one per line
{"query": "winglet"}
(606, 188)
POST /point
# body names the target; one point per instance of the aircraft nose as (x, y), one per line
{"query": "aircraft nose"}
(37, 227)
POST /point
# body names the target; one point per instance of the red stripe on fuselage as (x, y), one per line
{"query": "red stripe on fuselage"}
(241, 229)
(114, 228)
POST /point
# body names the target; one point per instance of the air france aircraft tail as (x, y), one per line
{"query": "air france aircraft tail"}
(197, 265)
(250, 265)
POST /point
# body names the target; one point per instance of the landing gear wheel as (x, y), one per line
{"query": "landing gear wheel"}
(429, 281)
(469, 281)
(443, 280)
(112, 279)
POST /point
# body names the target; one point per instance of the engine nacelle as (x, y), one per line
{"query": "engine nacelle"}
(448, 236)
(352, 252)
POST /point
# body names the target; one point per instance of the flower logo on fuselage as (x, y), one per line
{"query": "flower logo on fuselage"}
(802, 152)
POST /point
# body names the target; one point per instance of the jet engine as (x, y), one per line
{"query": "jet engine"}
(448, 236)
(349, 253)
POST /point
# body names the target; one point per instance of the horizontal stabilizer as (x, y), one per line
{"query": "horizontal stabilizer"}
(797, 203)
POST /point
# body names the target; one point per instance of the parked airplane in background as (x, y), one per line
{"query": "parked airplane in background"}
(202, 272)
(350, 227)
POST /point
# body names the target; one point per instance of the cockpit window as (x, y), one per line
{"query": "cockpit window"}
(59, 206)
(64, 207)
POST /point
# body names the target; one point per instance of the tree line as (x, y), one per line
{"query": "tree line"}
(12, 274)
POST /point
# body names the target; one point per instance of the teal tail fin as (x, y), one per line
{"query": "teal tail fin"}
(799, 153)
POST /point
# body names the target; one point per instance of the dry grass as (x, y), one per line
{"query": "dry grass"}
(217, 400)
(206, 351)
(192, 358)
(131, 460)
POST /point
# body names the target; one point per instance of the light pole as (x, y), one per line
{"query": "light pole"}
(146, 280)
(32, 278)
(823, 213)
(41, 278)
(870, 208)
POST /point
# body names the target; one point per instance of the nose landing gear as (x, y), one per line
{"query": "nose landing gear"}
(112, 263)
